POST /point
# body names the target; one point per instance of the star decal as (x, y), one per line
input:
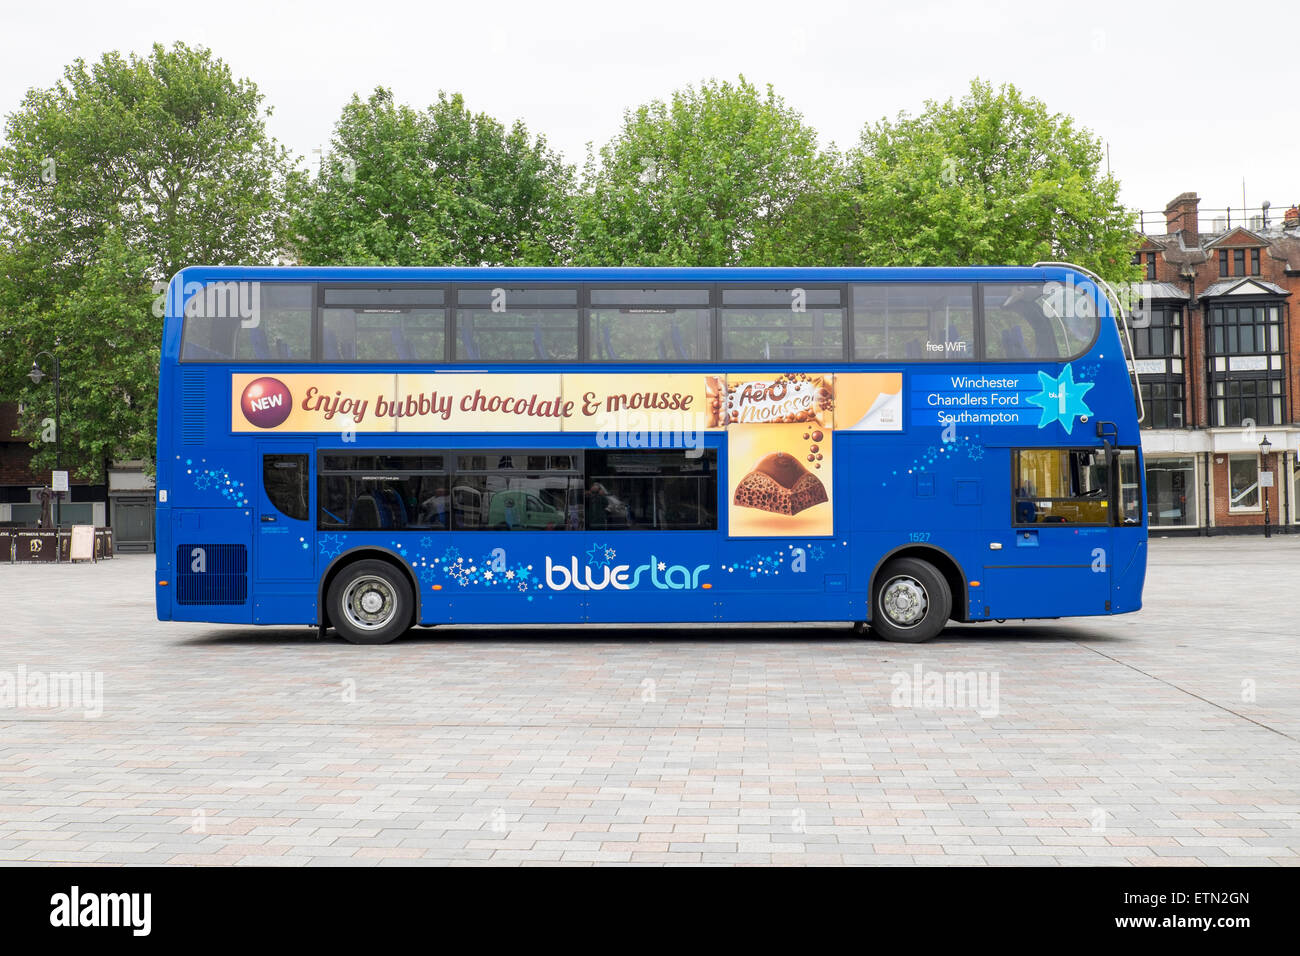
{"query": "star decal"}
(331, 545)
(599, 555)
(1061, 399)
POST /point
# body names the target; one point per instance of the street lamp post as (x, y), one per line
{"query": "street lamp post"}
(1264, 447)
(36, 374)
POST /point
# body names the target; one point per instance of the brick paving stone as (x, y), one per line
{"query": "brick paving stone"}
(1170, 737)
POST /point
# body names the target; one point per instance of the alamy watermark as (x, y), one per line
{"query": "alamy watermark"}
(212, 300)
(946, 690)
(22, 689)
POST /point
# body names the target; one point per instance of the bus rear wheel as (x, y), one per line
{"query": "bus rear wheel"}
(911, 603)
(370, 602)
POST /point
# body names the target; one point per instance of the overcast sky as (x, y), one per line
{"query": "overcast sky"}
(1189, 95)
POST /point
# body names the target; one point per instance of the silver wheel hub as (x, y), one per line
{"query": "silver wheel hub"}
(369, 602)
(903, 600)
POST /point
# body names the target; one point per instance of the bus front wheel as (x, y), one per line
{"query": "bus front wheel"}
(370, 602)
(911, 603)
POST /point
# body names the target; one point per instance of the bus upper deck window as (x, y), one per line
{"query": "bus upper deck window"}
(914, 322)
(782, 324)
(249, 322)
(516, 325)
(1038, 320)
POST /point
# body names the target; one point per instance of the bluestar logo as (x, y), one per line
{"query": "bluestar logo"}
(622, 577)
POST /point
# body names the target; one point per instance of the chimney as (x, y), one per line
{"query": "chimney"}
(1181, 214)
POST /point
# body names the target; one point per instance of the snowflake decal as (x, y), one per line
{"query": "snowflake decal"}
(205, 479)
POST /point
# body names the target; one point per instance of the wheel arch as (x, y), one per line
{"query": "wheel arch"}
(943, 562)
(356, 554)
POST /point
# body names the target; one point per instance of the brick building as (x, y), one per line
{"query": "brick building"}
(20, 486)
(1216, 352)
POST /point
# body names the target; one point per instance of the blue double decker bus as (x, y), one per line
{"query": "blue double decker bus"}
(372, 449)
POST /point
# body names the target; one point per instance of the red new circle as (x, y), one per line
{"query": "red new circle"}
(266, 402)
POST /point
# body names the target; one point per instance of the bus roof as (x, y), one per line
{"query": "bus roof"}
(627, 273)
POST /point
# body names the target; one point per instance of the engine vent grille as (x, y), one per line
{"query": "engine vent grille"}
(211, 574)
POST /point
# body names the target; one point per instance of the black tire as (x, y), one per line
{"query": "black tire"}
(370, 602)
(911, 601)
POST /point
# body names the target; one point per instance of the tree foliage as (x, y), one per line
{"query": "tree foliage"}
(111, 181)
(442, 186)
(994, 179)
(719, 175)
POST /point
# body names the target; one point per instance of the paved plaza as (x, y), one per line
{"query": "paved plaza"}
(1167, 737)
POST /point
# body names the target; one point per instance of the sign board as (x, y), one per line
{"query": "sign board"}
(60, 482)
(1266, 479)
(83, 542)
(35, 545)
(1248, 363)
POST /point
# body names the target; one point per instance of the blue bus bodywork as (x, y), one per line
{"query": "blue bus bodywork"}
(925, 490)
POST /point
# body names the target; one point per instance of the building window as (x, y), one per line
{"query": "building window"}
(1239, 262)
(1223, 262)
(1244, 401)
(1163, 401)
(1161, 336)
(1243, 483)
(1171, 492)
(1254, 262)
(1148, 261)
(1245, 366)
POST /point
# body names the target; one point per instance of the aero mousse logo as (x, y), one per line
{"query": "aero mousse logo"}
(266, 402)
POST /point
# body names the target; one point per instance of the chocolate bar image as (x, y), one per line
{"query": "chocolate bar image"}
(780, 484)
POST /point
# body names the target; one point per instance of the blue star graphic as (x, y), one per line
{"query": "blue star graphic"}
(596, 555)
(1061, 399)
(426, 542)
(450, 555)
(331, 545)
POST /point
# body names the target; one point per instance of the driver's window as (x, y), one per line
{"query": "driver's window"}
(1060, 486)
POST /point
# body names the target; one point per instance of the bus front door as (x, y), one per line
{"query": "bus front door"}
(285, 583)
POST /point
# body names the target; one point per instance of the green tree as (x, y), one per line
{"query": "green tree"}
(992, 179)
(719, 175)
(442, 186)
(111, 181)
